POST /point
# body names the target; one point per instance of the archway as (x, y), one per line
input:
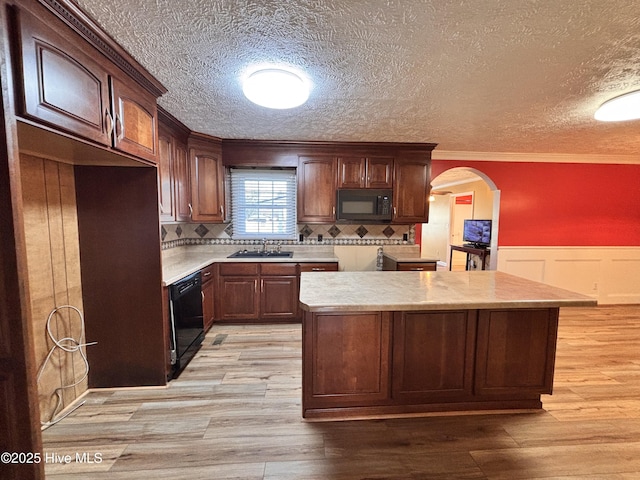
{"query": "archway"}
(436, 235)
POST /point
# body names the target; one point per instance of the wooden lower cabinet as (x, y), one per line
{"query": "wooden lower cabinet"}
(373, 364)
(208, 296)
(261, 292)
(278, 292)
(238, 295)
(433, 355)
(417, 265)
(516, 351)
(350, 359)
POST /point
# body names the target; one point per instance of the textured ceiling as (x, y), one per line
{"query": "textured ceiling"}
(473, 76)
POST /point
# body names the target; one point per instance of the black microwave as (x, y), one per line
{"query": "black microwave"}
(364, 205)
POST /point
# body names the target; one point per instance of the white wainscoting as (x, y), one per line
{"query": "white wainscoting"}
(609, 274)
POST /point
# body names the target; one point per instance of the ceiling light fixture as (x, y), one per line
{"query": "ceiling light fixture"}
(623, 107)
(275, 88)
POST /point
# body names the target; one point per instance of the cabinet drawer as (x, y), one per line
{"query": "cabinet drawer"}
(207, 273)
(239, 268)
(278, 269)
(319, 267)
(417, 266)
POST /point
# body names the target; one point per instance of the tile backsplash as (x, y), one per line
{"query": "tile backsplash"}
(179, 234)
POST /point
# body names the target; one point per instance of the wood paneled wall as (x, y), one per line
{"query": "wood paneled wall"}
(53, 262)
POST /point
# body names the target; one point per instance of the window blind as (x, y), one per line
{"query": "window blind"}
(263, 203)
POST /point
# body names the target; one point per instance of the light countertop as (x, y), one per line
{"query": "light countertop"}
(396, 291)
(179, 262)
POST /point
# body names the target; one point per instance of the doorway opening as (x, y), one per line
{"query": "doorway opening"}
(457, 194)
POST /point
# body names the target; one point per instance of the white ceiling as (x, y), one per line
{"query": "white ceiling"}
(521, 76)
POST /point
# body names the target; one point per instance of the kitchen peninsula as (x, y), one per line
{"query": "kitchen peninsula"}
(397, 343)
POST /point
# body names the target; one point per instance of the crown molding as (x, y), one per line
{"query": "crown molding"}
(535, 157)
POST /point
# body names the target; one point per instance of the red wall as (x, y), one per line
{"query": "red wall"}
(568, 204)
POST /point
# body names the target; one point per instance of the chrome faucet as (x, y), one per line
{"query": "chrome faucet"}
(264, 245)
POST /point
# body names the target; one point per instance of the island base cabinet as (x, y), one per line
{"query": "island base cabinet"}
(516, 351)
(349, 359)
(433, 355)
(359, 364)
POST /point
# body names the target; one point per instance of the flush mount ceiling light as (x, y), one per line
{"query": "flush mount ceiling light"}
(274, 88)
(624, 107)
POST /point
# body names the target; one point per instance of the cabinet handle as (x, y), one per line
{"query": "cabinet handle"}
(202, 293)
(222, 210)
(318, 269)
(417, 269)
(395, 211)
(109, 121)
(119, 129)
(190, 211)
(333, 210)
(206, 274)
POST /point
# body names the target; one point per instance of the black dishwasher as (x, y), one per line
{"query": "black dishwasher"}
(186, 321)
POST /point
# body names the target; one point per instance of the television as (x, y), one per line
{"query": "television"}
(477, 232)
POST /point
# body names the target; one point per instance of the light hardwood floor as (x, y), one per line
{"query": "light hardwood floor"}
(235, 414)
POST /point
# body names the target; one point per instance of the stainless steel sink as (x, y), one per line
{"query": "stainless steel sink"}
(259, 254)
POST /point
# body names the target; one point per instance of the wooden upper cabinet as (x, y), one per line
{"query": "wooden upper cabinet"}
(63, 85)
(379, 172)
(134, 115)
(181, 183)
(173, 169)
(316, 189)
(207, 181)
(66, 83)
(351, 172)
(165, 176)
(411, 188)
(369, 172)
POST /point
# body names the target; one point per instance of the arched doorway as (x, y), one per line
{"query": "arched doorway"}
(451, 184)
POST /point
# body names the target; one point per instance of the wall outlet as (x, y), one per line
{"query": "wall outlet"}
(319, 237)
(595, 286)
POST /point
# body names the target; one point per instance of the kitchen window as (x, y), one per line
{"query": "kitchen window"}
(263, 203)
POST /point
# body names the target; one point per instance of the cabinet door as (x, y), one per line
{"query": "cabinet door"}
(346, 359)
(433, 355)
(135, 119)
(63, 85)
(379, 172)
(181, 183)
(516, 351)
(410, 190)
(208, 291)
(278, 297)
(165, 176)
(207, 185)
(351, 172)
(317, 189)
(238, 298)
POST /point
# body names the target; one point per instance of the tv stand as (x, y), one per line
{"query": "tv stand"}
(470, 249)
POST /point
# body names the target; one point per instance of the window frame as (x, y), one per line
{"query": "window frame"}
(241, 204)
